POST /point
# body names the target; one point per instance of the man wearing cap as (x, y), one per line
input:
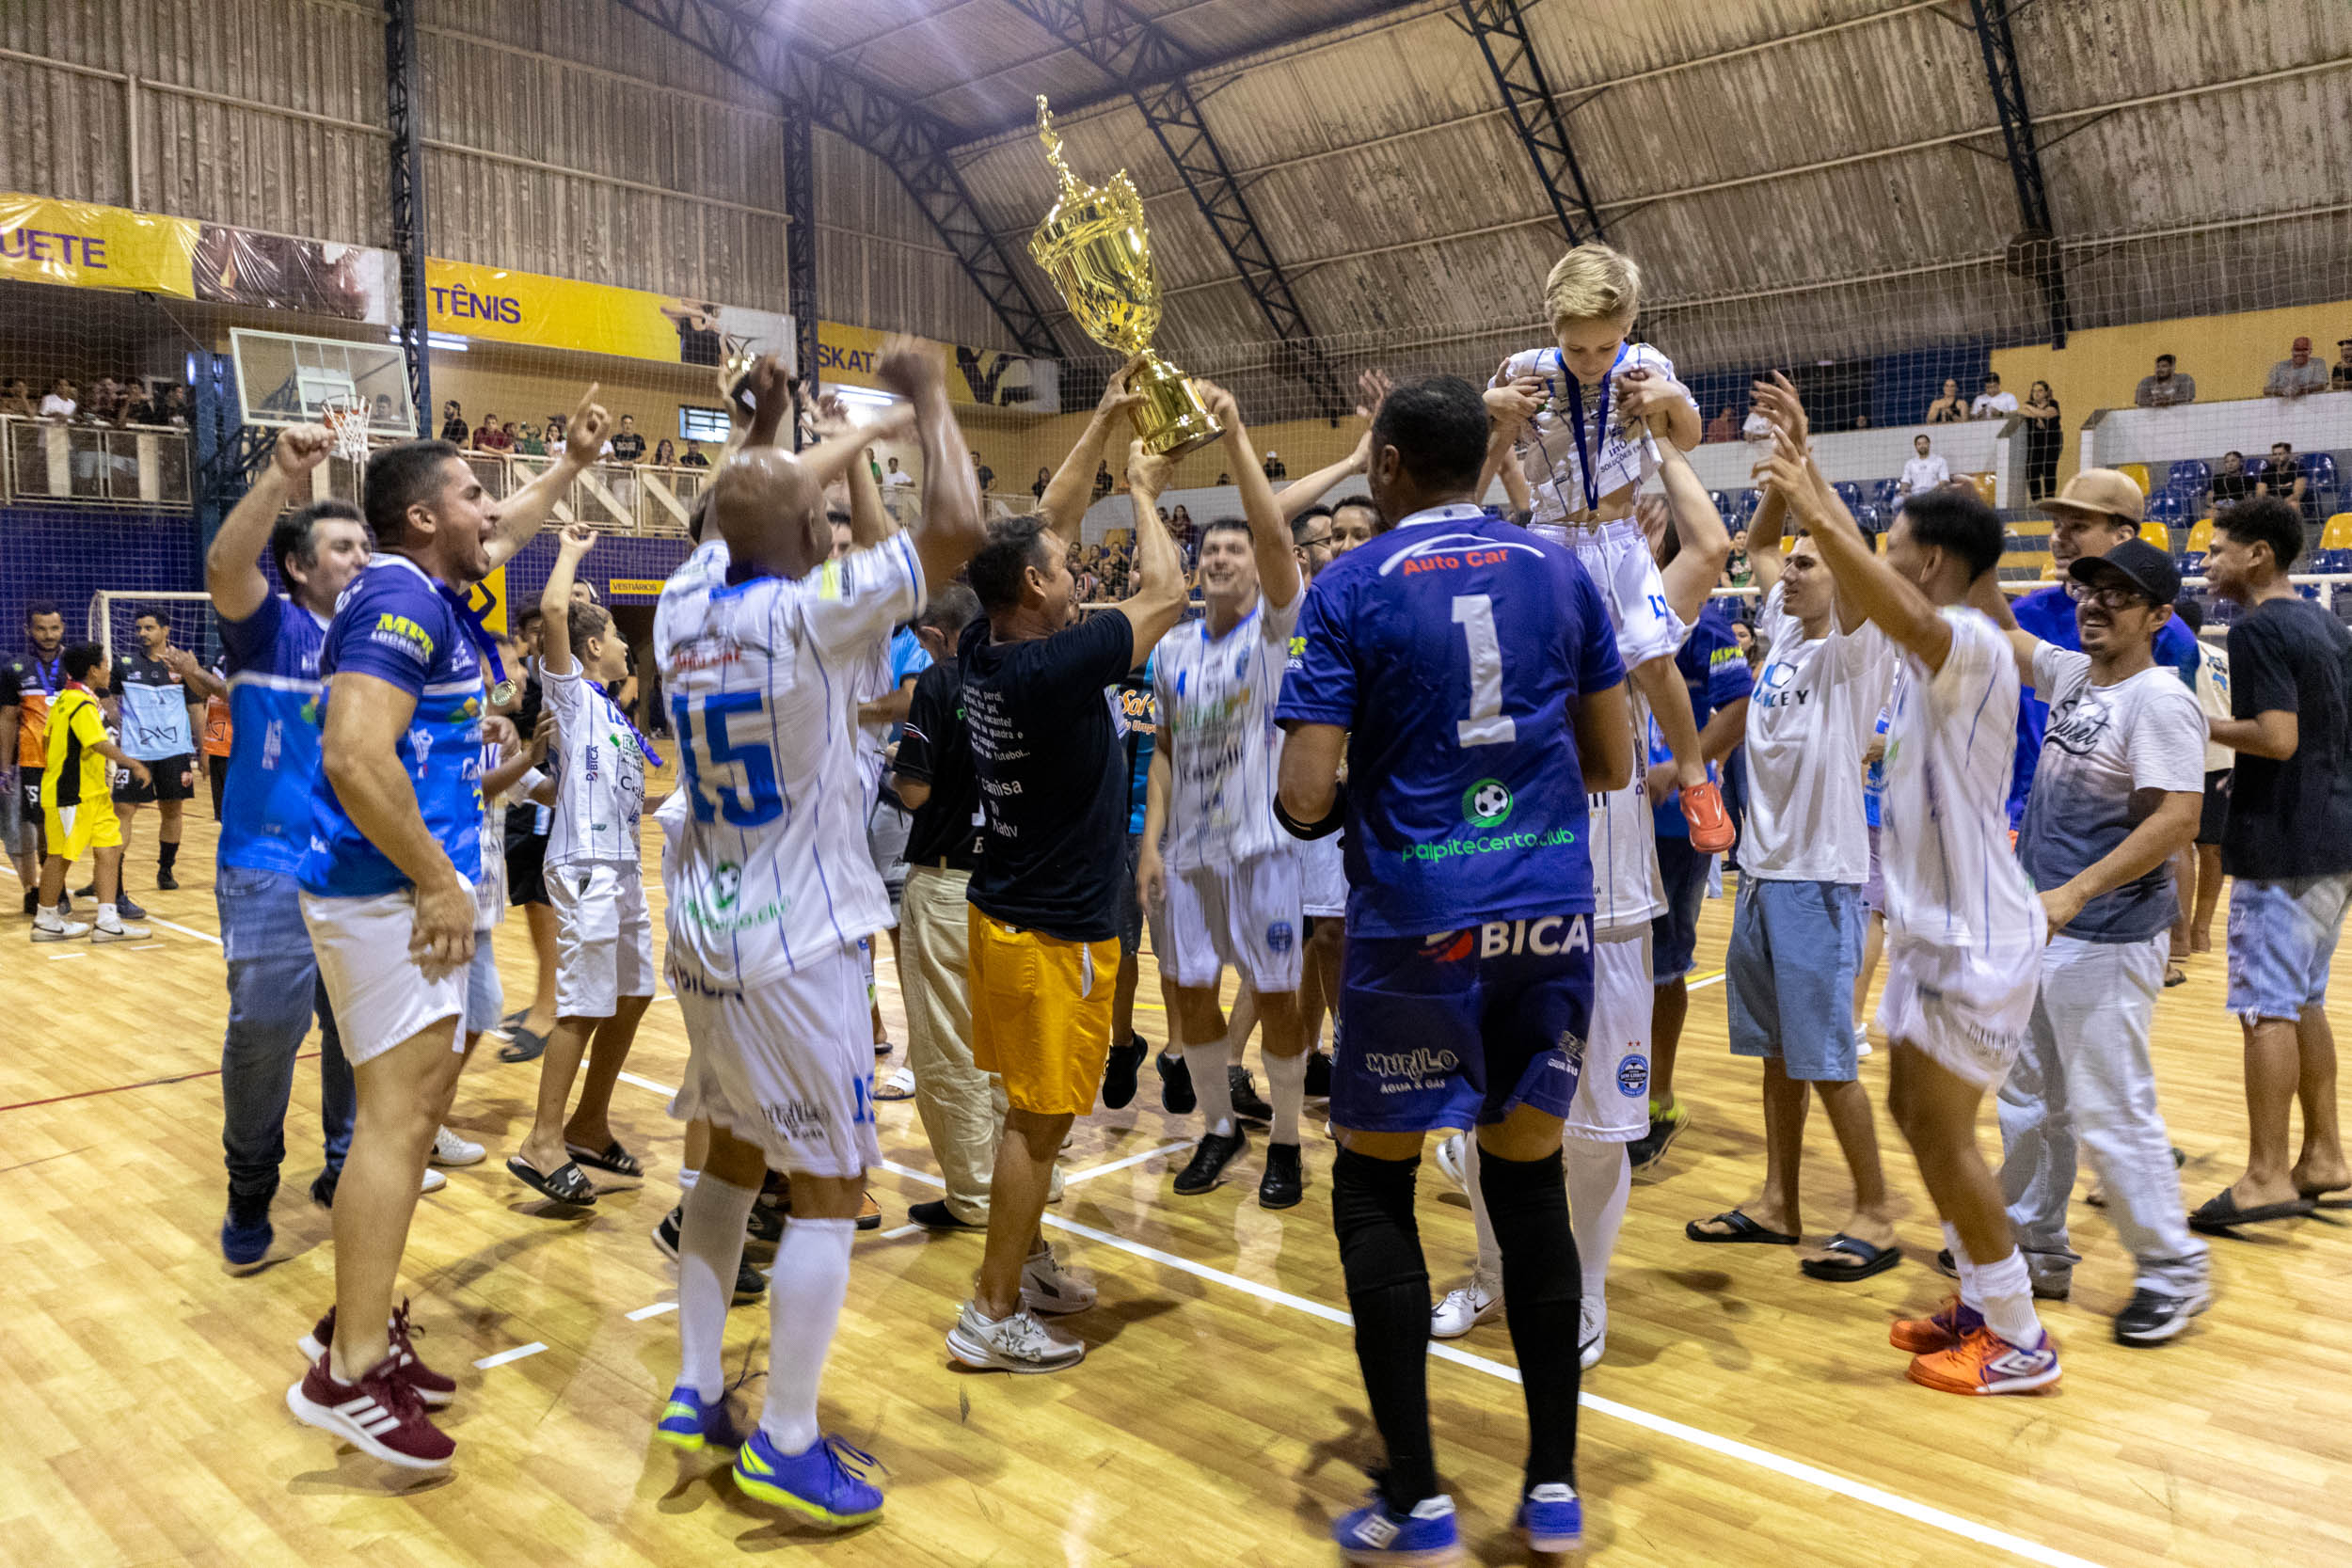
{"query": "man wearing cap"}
(2099, 510)
(2298, 373)
(2167, 387)
(2119, 792)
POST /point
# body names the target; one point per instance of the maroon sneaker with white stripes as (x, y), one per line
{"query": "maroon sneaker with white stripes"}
(380, 1415)
(434, 1388)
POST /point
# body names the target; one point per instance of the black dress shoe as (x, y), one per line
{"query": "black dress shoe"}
(1176, 1095)
(936, 1215)
(1207, 1166)
(1283, 1183)
(1119, 1073)
(1247, 1104)
(167, 882)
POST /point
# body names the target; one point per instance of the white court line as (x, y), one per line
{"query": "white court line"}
(897, 1231)
(1094, 1171)
(503, 1357)
(1714, 980)
(184, 930)
(654, 1311)
(663, 1089)
(56, 958)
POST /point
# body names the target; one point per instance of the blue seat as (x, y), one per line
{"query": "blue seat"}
(1745, 502)
(1872, 518)
(1849, 492)
(2189, 476)
(1883, 492)
(1722, 502)
(2320, 469)
(2167, 507)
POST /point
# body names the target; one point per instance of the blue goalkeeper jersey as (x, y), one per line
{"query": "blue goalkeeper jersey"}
(1454, 649)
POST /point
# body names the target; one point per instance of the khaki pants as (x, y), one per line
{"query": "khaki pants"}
(963, 1108)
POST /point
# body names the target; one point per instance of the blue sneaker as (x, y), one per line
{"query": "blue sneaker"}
(1551, 1519)
(817, 1484)
(1377, 1534)
(688, 1424)
(246, 1234)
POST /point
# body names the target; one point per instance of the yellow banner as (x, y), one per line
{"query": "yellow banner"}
(633, 587)
(95, 247)
(529, 308)
(845, 357)
(489, 596)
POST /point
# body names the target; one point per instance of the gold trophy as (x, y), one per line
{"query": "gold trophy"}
(1094, 245)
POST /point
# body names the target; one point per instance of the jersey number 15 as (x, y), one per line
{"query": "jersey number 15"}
(731, 783)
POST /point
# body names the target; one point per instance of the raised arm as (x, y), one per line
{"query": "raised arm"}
(1158, 601)
(1705, 542)
(870, 522)
(232, 567)
(522, 514)
(953, 526)
(1295, 497)
(1897, 607)
(1269, 530)
(1509, 404)
(1064, 505)
(555, 600)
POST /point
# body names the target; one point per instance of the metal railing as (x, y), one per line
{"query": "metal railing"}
(96, 464)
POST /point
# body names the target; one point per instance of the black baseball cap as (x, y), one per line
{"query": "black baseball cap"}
(2136, 564)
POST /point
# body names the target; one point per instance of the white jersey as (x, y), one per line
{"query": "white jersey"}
(1628, 889)
(770, 872)
(2212, 698)
(1572, 467)
(1815, 707)
(1952, 881)
(1216, 697)
(599, 774)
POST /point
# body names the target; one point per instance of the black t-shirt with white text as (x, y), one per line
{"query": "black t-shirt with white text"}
(628, 447)
(1048, 760)
(934, 750)
(2291, 819)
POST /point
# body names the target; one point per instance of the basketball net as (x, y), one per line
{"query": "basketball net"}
(347, 420)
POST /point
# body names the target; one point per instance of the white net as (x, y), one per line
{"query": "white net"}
(189, 618)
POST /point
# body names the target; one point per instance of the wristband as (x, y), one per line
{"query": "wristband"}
(1332, 820)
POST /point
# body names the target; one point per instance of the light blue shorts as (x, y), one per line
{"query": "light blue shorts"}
(1789, 975)
(2282, 936)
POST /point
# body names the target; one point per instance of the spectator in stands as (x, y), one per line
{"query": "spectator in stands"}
(693, 457)
(2044, 438)
(1275, 468)
(1180, 529)
(454, 428)
(2232, 483)
(2165, 388)
(1993, 404)
(553, 434)
(986, 475)
(148, 407)
(1949, 408)
(665, 454)
(18, 401)
(2284, 477)
(1862, 421)
(627, 446)
(176, 405)
(60, 402)
(1925, 470)
(1045, 478)
(512, 433)
(527, 442)
(897, 477)
(2297, 374)
(491, 435)
(1102, 479)
(1224, 478)
(2340, 374)
(1725, 426)
(1738, 572)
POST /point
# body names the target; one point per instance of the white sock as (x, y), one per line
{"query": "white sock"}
(1489, 1254)
(107, 917)
(1286, 1088)
(1207, 1064)
(1601, 1180)
(709, 1250)
(811, 1280)
(1970, 1295)
(2008, 1293)
(48, 919)
(686, 1180)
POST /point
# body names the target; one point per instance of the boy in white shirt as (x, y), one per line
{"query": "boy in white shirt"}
(1965, 931)
(604, 934)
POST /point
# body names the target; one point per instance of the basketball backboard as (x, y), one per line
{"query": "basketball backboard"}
(284, 378)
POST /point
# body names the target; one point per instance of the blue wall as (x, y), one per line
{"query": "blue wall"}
(68, 553)
(1896, 387)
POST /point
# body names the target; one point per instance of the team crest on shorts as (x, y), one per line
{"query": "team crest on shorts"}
(1633, 1076)
(1278, 937)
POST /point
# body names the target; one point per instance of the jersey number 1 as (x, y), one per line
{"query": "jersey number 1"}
(726, 781)
(1486, 724)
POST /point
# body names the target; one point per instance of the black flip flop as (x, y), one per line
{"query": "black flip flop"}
(2322, 1198)
(522, 1045)
(613, 1157)
(2220, 1215)
(565, 1184)
(1873, 1260)
(1742, 1230)
(2174, 975)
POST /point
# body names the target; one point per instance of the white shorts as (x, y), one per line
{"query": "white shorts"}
(1322, 876)
(787, 1065)
(1967, 1010)
(603, 938)
(380, 997)
(1246, 915)
(1612, 1103)
(1616, 557)
(485, 999)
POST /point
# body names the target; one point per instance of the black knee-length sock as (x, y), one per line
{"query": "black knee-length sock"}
(1527, 1202)
(1388, 1290)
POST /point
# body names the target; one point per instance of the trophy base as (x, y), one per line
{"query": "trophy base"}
(1172, 420)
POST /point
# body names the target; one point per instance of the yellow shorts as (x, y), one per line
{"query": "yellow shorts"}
(76, 831)
(1041, 1014)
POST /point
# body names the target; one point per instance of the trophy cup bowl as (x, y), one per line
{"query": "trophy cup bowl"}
(1094, 245)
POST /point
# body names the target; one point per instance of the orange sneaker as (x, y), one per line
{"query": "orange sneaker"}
(1711, 832)
(1984, 1363)
(1952, 1323)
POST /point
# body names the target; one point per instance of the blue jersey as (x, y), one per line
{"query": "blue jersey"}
(2050, 614)
(274, 690)
(1717, 673)
(1455, 648)
(393, 624)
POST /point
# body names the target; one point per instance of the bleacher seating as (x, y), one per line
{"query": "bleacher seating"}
(2335, 545)
(2154, 532)
(2166, 506)
(1849, 492)
(2137, 473)
(2319, 468)
(2199, 543)
(2189, 478)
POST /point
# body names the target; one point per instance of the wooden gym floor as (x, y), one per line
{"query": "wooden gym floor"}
(1744, 1413)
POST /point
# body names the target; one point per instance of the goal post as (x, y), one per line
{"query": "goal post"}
(114, 615)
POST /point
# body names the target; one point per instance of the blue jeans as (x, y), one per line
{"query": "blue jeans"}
(274, 989)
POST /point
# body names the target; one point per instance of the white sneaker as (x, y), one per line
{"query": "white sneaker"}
(1016, 1344)
(1592, 1331)
(64, 931)
(451, 1149)
(1462, 1310)
(1047, 1285)
(1451, 1151)
(1861, 1039)
(434, 1180)
(119, 932)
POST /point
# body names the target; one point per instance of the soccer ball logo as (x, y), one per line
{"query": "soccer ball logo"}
(726, 880)
(1487, 803)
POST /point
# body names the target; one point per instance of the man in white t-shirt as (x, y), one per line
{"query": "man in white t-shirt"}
(1230, 876)
(604, 970)
(1965, 931)
(1797, 929)
(897, 477)
(2116, 792)
(1925, 470)
(1993, 404)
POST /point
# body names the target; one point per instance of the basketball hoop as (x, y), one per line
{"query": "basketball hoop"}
(347, 418)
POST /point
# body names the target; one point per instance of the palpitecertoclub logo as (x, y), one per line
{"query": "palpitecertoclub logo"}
(1487, 803)
(726, 881)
